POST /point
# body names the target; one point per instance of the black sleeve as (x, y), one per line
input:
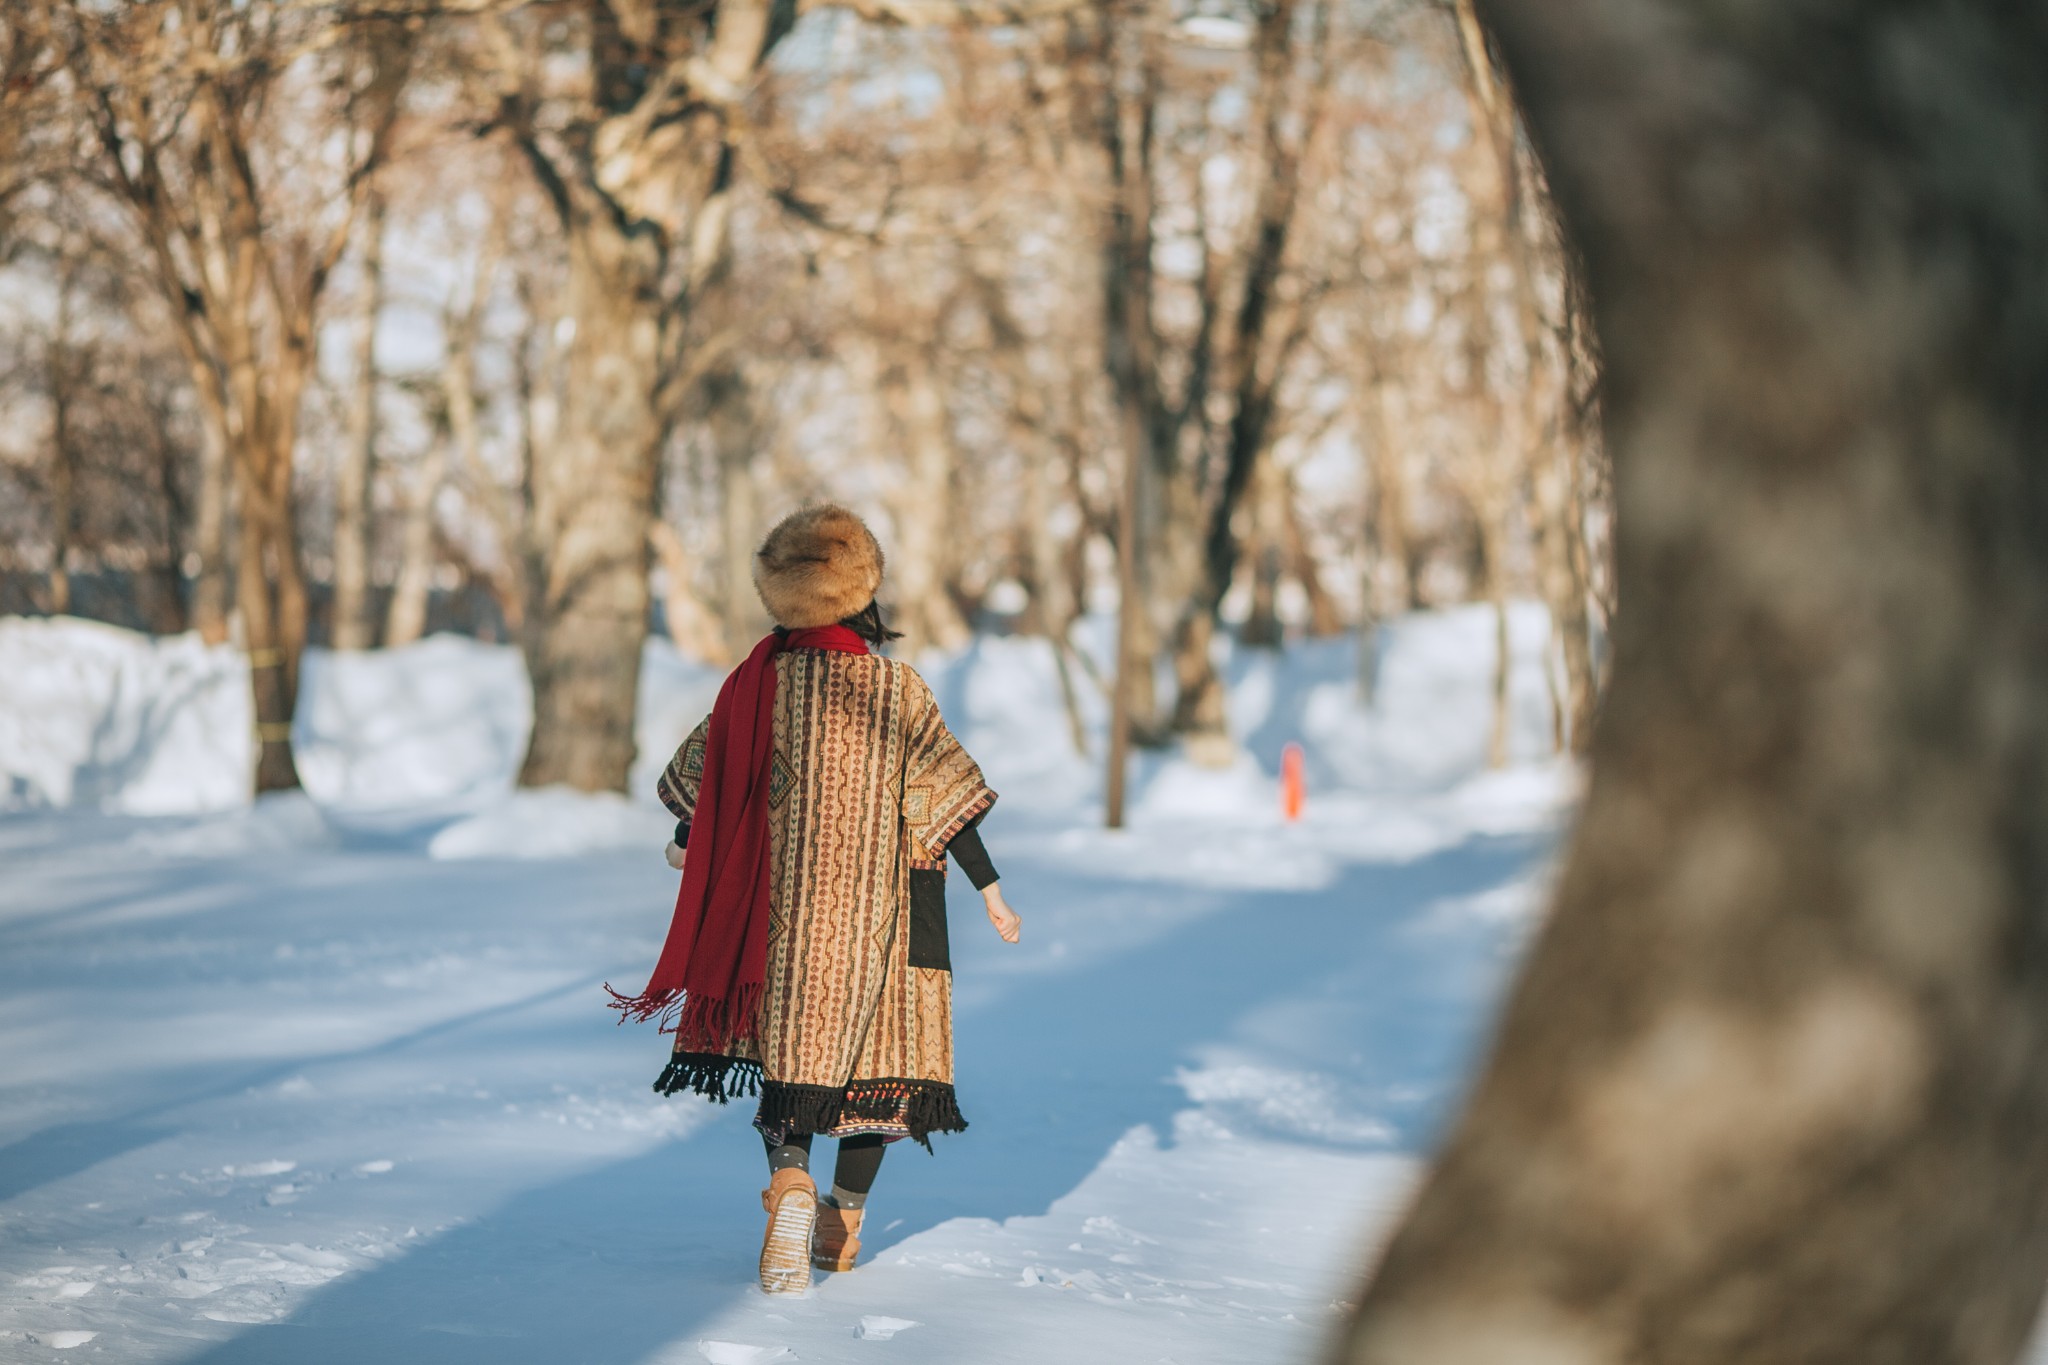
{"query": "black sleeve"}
(682, 834)
(972, 857)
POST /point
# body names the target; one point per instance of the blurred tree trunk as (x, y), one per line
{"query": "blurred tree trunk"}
(1395, 588)
(1119, 65)
(405, 619)
(461, 329)
(59, 377)
(695, 631)
(167, 611)
(1260, 330)
(1298, 556)
(1262, 627)
(355, 478)
(1491, 518)
(1773, 1084)
(734, 430)
(925, 612)
(210, 529)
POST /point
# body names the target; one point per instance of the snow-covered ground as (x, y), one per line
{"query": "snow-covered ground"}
(329, 1079)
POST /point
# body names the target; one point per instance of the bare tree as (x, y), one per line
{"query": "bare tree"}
(1771, 1087)
(636, 150)
(177, 101)
(355, 476)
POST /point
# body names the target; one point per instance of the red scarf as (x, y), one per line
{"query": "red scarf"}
(716, 958)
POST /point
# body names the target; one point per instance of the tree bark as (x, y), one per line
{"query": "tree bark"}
(1772, 1086)
(924, 512)
(58, 368)
(405, 621)
(355, 477)
(731, 426)
(1564, 588)
(1394, 572)
(1131, 663)
(1492, 545)
(593, 501)
(167, 612)
(1124, 109)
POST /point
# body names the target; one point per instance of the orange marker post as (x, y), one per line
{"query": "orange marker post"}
(1292, 791)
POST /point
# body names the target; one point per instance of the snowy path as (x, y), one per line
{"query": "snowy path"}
(346, 1104)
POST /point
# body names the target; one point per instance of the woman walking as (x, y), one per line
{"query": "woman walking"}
(807, 961)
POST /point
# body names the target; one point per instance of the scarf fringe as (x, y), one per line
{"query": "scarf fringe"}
(711, 1022)
(924, 1107)
(650, 1004)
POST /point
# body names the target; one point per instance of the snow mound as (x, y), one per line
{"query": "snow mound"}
(275, 823)
(735, 1353)
(438, 720)
(64, 1341)
(554, 822)
(881, 1327)
(92, 714)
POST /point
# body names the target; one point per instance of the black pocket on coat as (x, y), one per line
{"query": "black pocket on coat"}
(928, 947)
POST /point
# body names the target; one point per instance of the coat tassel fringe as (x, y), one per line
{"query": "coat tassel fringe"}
(924, 1107)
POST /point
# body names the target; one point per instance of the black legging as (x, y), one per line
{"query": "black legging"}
(860, 1159)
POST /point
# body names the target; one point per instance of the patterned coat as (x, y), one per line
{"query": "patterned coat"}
(866, 783)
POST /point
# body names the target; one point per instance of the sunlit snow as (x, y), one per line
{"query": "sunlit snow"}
(328, 1078)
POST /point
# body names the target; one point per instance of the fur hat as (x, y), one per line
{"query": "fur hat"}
(819, 565)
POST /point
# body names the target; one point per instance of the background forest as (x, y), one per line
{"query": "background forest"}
(336, 324)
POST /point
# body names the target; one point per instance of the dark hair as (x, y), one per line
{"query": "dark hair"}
(869, 625)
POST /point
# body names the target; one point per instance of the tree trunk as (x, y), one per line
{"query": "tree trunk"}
(1393, 547)
(1149, 565)
(210, 538)
(1564, 589)
(1262, 627)
(1490, 536)
(729, 420)
(167, 613)
(924, 513)
(740, 517)
(406, 618)
(63, 464)
(1264, 328)
(271, 601)
(694, 631)
(1131, 662)
(1325, 619)
(1772, 1086)
(354, 478)
(593, 499)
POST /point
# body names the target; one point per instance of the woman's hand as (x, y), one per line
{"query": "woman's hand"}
(1007, 922)
(675, 853)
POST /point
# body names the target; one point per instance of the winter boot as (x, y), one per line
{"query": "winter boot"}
(837, 1243)
(792, 1203)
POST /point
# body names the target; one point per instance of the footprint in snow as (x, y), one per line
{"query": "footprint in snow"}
(876, 1327)
(733, 1353)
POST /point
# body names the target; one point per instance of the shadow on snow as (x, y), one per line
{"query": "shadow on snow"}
(1054, 1066)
